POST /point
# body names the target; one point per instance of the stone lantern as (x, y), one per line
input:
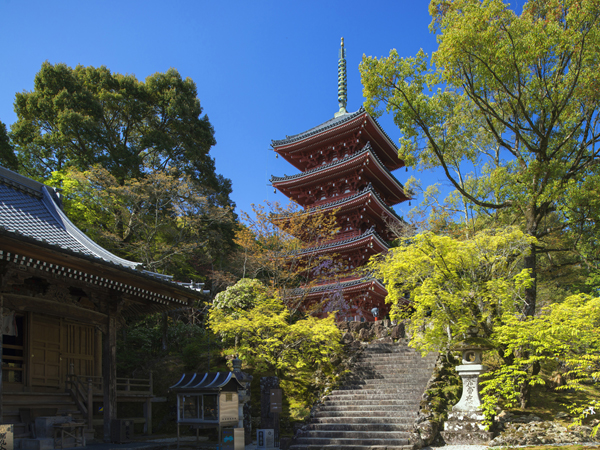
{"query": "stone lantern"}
(465, 422)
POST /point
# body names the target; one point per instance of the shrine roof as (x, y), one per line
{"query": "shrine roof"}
(207, 381)
(31, 212)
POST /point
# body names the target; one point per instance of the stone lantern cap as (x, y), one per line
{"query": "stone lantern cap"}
(471, 354)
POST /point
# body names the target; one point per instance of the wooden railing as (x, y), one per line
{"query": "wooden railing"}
(83, 389)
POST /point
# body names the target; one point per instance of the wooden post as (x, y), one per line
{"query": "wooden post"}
(90, 404)
(148, 410)
(109, 372)
(148, 416)
(98, 354)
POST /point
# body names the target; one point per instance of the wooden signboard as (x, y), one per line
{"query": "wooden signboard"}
(6, 437)
(276, 401)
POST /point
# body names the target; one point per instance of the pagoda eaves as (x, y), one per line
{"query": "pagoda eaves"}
(336, 137)
(340, 178)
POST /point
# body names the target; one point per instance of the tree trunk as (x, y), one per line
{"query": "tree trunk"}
(530, 263)
(525, 389)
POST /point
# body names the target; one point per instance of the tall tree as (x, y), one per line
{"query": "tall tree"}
(7, 152)
(86, 116)
(133, 159)
(508, 108)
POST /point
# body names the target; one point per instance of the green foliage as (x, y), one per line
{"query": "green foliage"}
(299, 353)
(567, 334)
(153, 338)
(508, 107)
(8, 158)
(163, 220)
(86, 116)
(243, 295)
(457, 287)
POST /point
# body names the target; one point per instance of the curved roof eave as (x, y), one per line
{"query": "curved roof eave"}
(367, 149)
(345, 242)
(325, 126)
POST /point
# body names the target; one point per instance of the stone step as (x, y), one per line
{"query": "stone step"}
(418, 367)
(350, 441)
(353, 406)
(345, 434)
(387, 388)
(367, 397)
(395, 402)
(352, 447)
(357, 421)
(359, 426)
(372, 413)
(391, 379)
(376, 406)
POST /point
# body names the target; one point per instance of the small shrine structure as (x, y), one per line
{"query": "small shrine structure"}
(345, 166)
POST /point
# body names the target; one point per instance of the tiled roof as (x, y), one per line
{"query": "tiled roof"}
(331, 123)
(370, 232)
(368, 189)
(341, 285)
(366, 149)
(31, 210)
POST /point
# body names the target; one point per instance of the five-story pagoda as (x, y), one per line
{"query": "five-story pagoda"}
(346, 166)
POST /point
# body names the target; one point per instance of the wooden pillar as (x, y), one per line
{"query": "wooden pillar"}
(148, 416)
(109, 372)
(98, 353)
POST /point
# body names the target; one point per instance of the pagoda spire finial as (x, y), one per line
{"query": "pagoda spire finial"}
(342, 81)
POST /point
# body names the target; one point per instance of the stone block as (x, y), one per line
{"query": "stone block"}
(355, 327)
(398, 331)
(347, 338)
(37, 444)
(44, 426)
(364, 334)
(466, 428)
(467, 438)
(379, 330)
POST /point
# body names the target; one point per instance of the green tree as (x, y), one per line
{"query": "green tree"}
(133, 160)
(86, 116)
(8, 158)
(299, 353)
(242, 295)
(564, 335)
(161, 219)
(508, 108)
(457, 287)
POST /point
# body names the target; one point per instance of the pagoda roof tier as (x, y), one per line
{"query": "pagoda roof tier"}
(293, 148)
(367, 197)
(364, 164)
(353, 285)
(367, 203)
(369, 240)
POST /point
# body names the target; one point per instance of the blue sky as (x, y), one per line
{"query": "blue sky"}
(263, 69)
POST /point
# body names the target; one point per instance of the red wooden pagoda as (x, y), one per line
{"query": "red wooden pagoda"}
(346, 165)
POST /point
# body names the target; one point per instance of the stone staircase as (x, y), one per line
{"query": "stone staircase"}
(377, 405)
